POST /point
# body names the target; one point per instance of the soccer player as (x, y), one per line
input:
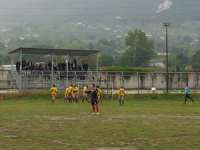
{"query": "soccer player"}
(53, 93)
(121, 93)
(94, 98)
(75, 93)
(66, 94)
(187, 94)
(1, 97)
(99, 94)
(69, 93)
(85, 94)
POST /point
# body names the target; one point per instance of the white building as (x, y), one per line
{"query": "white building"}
(156, 63)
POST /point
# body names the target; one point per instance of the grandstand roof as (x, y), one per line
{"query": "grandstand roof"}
(46, 51)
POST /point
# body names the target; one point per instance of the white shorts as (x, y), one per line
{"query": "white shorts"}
(85, 95)
(121, 96)
(75, 95)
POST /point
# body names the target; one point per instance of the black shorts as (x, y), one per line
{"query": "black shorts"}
(94, 102)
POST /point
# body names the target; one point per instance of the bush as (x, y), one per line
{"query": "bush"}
(116, 68)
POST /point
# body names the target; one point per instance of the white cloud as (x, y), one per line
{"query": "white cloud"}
(164, 6)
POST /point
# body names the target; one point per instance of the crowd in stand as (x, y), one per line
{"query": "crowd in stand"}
(61, 66)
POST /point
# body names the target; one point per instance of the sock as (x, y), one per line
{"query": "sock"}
(97, 107)
(93, 108)
(122, 103)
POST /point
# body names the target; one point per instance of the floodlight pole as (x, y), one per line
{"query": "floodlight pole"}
(166, 25)
(135, 48)
(52, 69)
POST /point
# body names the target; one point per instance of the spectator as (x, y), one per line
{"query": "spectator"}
(33, 66)
(86, 66)
(73, 66)
(1, 97)
(79, 67)
(82, 77)
(55, 66)
(17, 65)
(75, 63)
(28, 73)
(40, 67)
(50, 65)
(23, 64)
(36, 67)
(60, 66)
(63, 66)
(83, 62)
(30, 65)
(46, 67)
(69, 66)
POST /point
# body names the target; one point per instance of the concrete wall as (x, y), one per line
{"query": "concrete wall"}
(115, 80)
(147, 80)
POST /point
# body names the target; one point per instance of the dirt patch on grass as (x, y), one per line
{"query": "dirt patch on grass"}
(115, 118)
(57, 118)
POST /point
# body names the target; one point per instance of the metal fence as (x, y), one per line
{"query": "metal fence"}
(136, 81)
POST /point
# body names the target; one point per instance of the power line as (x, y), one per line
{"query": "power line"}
(86, 7)
(181, 14)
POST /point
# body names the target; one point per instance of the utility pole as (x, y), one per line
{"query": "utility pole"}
(135, 49)
(166, 25)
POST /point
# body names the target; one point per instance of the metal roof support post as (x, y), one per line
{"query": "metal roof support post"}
(152, 76)
(138, 82)
(42, 75)
(181, 81)
(195, 82)
(107, 82)
(11, 57)
(97, 67)
(20, 74)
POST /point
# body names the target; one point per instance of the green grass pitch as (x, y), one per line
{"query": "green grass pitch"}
(145, 122)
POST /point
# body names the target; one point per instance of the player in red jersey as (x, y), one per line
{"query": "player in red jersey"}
(94, 98)
(1, 97)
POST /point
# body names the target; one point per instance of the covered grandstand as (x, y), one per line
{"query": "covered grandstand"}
(45, 79)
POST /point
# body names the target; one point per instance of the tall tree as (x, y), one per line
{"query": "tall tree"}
(196, 60)
(107, 60)
(139, 49)
(187, 39)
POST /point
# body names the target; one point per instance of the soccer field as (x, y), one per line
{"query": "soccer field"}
(145, 122)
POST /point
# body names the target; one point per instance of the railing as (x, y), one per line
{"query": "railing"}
(105, 79)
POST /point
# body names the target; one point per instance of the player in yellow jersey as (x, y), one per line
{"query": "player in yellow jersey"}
(85, 94)
(66, 94)
(75, 93)
(99, 94)
(69, 93)
(121, 94)
(53, 93)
